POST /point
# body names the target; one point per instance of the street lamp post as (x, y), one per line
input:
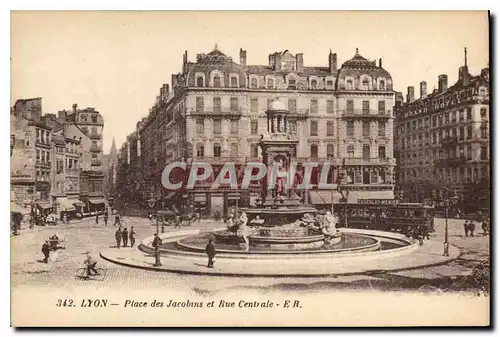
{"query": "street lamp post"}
(446, 244)
(157, 247)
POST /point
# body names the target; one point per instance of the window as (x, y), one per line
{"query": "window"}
(469, 132)
(217, 126)
(200, 150)
(329, 107)
(314, 84)
(293, 126)
(217, 105)
(365, 83)
(234, 150)
(381, 152)
(366, 128)
(349, 84)
(234, 82)
(461, 115)
(37, 155)
(292, 105)
(27, 139)
(381, 107)
(434, 121)
(484, 130)
(254, 150)
(234, 103)
(199, 81)
(469, 113)
(350, 106)
(330, 151)
(200, 104)
(461, 133)
(446, 118)
(83, 117)
(217, 150)
(329, 84)
(314, 128)
(350, 128)
(366, 151)
(234, 127)
(484, 113)
(94, 118)
(484, 152)
(329, 128)
(453, 117)
(292, 84)
(314, 106)
(253, 83)
(200, 126)
(381, 128)
(270, 83)
(254, 126)
(382, 85)
(253, 105)
(314, 151)
(217, 82)
(366, 107)
(469, 151)
(350, 151)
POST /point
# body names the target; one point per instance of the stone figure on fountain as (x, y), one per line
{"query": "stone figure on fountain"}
(328, 228)
(243, 230)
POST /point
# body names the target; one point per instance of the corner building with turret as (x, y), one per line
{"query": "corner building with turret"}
(215, 113)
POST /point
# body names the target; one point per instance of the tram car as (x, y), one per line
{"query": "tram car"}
(397, 217)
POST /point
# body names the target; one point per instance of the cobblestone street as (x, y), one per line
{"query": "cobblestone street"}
(29, 270)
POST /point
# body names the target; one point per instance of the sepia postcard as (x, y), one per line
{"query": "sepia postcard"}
(250, 169)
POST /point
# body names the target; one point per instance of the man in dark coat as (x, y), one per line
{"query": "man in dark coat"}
(118, 237)
(106, 218)
(96, 218)
(472, 228)
(466, 227)
(210, 249)
(46, 251)
(131, 236)
(125, 237)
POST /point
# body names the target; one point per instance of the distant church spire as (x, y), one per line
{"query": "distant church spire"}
(113, 153)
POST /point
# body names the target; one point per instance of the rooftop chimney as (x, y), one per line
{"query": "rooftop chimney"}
(380, 62)
(332, 62)
(243, 57)
(410, 97)
(423, 89)
(75, 106)
(442, 83)
(300, 62)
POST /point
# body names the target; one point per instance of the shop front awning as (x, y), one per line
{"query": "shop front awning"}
(77, 202)
(44, 205)
(324, 197)
(355, 195)
(15, 208)
(97, 201)
(65, 204)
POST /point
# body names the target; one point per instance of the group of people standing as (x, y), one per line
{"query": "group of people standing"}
(122, 237)
(470, 227)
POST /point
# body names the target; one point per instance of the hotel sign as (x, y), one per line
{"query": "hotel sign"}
(378, 201)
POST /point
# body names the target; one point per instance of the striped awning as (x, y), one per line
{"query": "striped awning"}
(77, 202)
(44, 205)
(97, 201)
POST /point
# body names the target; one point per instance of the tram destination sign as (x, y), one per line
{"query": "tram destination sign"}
(378, 201)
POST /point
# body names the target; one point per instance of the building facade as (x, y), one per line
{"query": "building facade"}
(443, 143)
(215, 113)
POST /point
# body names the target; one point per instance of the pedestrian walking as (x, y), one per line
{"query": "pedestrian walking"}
(46, 251)
(117, 219)
(131, 236)
(118, 237)
(125, 237)
(472, 227)
(210, 249)
(96, 218)
(466, 228)
(105, 218)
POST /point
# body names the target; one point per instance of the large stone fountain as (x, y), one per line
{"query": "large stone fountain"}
(280, 220)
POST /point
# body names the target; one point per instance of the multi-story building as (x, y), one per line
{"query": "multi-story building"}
(443, 141)
(216, 113)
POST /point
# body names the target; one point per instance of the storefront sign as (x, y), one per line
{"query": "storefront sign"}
(378, 201)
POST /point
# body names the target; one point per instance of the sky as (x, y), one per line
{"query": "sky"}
(117, 61)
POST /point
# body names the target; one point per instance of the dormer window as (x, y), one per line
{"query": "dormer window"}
(253, 83)
(365, 83)
(314, 84)
(270, 83)
(292, 84)
(234, 81)
(382, 85)
(329, 84)
(94, 118)
(199, 81)
(83, 117)
(217, 81)
(349, 84)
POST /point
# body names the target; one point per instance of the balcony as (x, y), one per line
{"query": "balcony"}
(222, 113)
(360, 113)
(95, 148)
(449, 141)
(370, 161)
(46, 164)
(42, 144)
(450, 162)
